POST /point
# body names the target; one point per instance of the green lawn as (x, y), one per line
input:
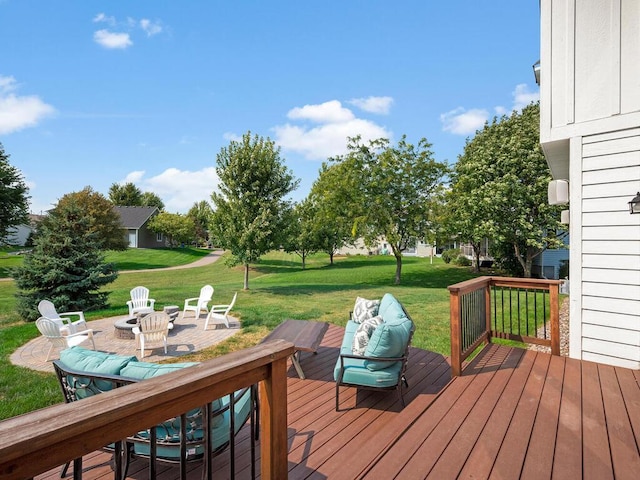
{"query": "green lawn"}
(131, 259)
(279, 289)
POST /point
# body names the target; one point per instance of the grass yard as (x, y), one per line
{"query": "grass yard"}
(279, 289)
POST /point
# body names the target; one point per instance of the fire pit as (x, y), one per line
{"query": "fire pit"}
(124, 328)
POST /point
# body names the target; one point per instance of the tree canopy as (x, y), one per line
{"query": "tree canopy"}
(251, 208)
(128, 195)
(177, 228)
(200, 213)
(103, 219)
(66, 264)
(396, 185)
(14, 198)
(499, 188)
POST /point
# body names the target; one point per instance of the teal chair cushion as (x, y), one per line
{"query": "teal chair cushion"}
(356, 373)
(143, 370)
(388, 340)
(168, 433)
(91, 361)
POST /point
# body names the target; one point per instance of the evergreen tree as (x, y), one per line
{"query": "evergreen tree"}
(14, 199)
(66, 265)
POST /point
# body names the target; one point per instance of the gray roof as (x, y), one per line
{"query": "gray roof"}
(135, 217)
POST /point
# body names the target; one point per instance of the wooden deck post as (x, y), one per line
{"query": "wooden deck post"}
(273, 418)
(554, 318)
(456, 341)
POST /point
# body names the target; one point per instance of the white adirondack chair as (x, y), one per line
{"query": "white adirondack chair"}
(48, 310)
(61, 338)
(221, 312)
(198, 304)
(140, 301)
(152, 328)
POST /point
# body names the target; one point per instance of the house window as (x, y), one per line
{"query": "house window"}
(158, 237)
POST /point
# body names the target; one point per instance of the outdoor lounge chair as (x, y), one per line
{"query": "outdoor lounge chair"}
(384, 363)
(109, 371)
(221, 312)
(61, 338)
(48, 310)
(140, 301)
(198, 304)
(152, 328)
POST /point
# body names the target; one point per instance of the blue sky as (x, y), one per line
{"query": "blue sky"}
(94, 93)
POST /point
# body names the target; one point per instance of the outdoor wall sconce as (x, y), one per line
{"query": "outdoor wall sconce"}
(634, 205)
(564, 217)
(536, 72)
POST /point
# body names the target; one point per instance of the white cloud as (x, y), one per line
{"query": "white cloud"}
(327, 140)
(150, 28)
(463, 122)
(230, 136)
(327, 112)
(178, 189)
(523, 97)
(112, 40)
(381, 105)
(500, 110)
(102, 18)
(18, 112)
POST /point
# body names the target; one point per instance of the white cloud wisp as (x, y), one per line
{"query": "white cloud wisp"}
(463, 122)
(19, 112)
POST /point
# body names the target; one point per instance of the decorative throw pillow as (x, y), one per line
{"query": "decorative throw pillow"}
(364, 309)
(363, 334)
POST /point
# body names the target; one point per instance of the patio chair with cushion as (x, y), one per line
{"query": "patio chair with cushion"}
(152, 328)
(59, 337)
(48, 310)
(221, 312)
(375, 347)
(140, 301)
(199, 304)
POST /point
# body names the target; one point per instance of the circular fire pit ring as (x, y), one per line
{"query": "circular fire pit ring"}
(124, 328)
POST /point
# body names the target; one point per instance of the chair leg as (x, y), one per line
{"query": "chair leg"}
(141, 346)
(49, 352)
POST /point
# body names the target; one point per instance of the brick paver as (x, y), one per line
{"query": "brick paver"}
(187, 336)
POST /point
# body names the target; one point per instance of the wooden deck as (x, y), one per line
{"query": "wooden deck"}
(513, 414)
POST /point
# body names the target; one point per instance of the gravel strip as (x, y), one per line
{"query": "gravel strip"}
(564, 332)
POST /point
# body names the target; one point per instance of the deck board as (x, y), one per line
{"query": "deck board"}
(512, 414)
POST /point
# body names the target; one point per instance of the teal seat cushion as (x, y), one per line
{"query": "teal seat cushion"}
(168, 433)
(91, 361)
(143, 370)
(357, 373)
(388, 340)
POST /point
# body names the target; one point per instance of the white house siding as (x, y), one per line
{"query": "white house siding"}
(590, 133)
(610, 266)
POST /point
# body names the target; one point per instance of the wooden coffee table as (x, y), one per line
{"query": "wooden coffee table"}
(305, 336)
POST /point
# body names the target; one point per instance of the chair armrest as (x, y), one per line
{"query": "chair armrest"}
(219, 307)
(135, 330)
(78, 314)
(88, 332)
(151, 301)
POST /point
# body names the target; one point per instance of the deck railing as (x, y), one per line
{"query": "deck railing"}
(521, 309)
(34, 443)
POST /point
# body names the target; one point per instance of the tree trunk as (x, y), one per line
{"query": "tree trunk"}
(246, 276)
(331, 258)
(476, 253)
(398, 267)
(304, 258)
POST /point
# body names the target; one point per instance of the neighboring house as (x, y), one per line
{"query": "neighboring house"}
(590, 134)
(19, 235)
(549, 263)
(382, 248)
(135, 221)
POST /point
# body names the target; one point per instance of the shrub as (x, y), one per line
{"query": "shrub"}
(449, 255)
(462, 261)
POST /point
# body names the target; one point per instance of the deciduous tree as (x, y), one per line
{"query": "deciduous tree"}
(14, 198)
(176, 227)
(200, 213)
(499, 188)
(251, 207)
(103, 219)
(397, 184)
(301, 237)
